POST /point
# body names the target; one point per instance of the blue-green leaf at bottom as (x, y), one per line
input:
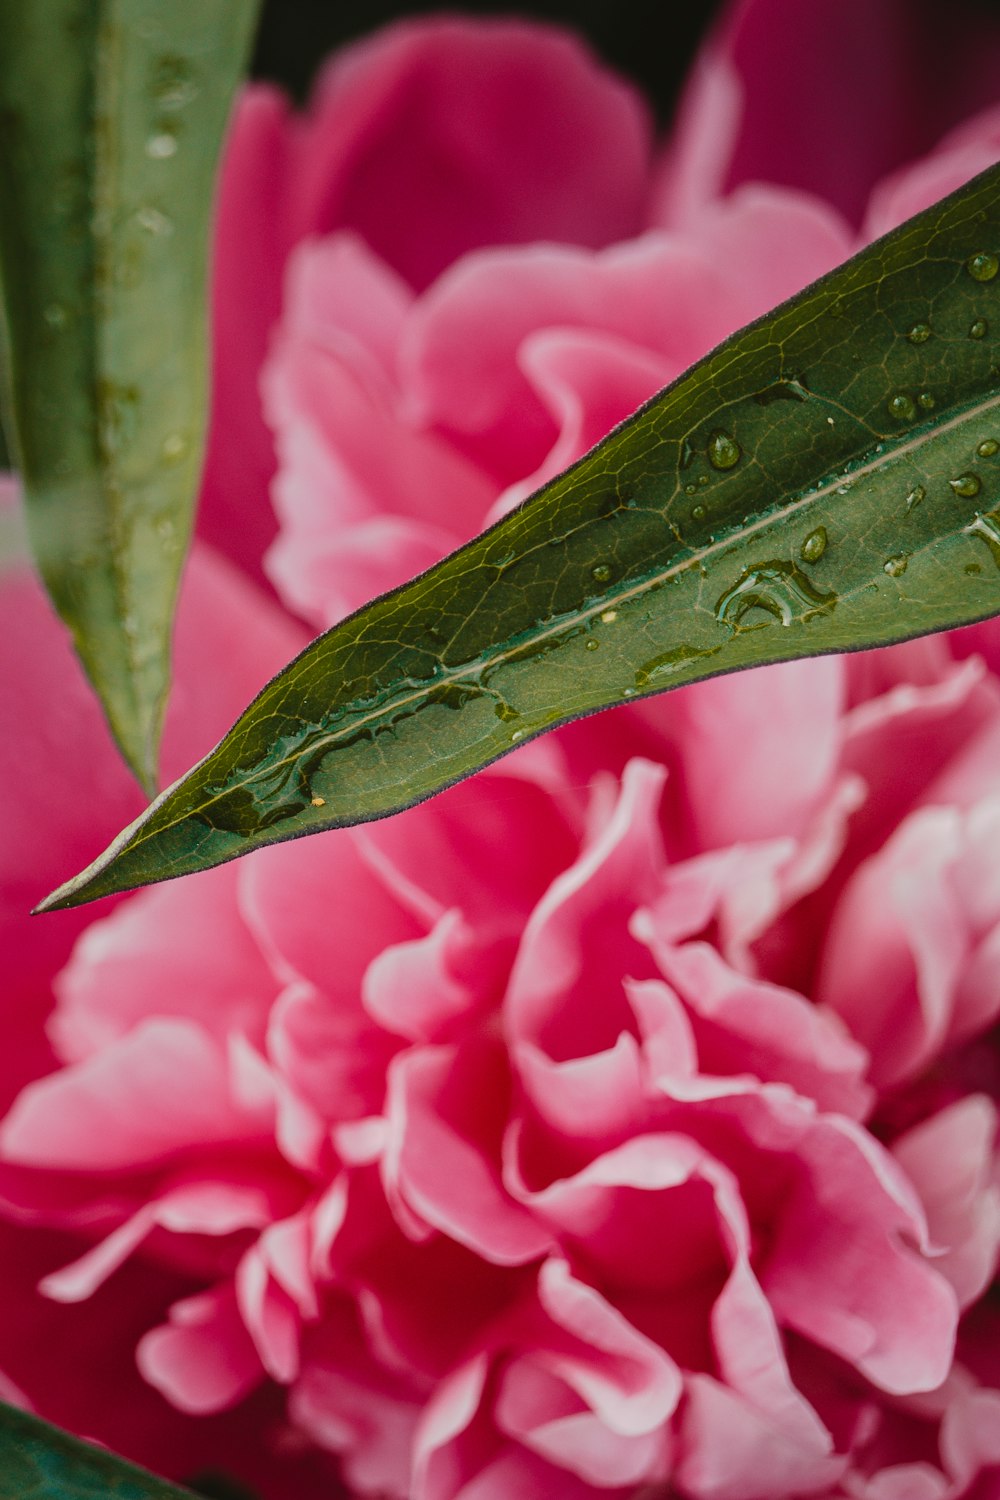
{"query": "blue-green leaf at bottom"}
(827, 479)
(39, 1462)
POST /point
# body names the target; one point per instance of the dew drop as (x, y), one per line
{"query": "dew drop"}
(174, 446)
(895, 566)
(983, 266)
(669, 663)
(161, 146)
(979, 329)
(608, 616)
(987, 529)
(724, 452)
(775, 590)
(601, 573)
(173, 83)
(966, 485)
(902, 408)
(916, 495)
(690, 489)
(593, 645)
(814, 545)
(55, 315)
(919, 333)
(152, 221)
(517, 735)
(926, 400)
(988, 448)
(698, 512)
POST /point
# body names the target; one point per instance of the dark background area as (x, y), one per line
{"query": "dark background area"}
(652, 41)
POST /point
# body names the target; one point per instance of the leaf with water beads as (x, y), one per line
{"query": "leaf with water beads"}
(779, 500)
(111, 118)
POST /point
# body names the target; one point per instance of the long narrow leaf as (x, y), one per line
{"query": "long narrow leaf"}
(111, 118)
(827, 479)
(39, 1462)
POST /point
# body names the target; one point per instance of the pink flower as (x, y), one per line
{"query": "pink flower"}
(624, 1121)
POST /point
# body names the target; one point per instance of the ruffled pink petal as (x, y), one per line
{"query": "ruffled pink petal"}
(838, 1269)
(436, 136)
(730, 1449)
(963, 154)
(213, 1208)
(521, 809)
(940, 721)
(970, 1440)
(332, 1061)
(202, 1360)
(327, 581)
(269, 1313)
(786, 760)
(412, 989)
(744, 1026)
(585, 1102)
(131, 965)
(949, 1160)
(589, 381)
(896, 947)
(542, 1412)
(122, 1108)
(443, 1110)
(363, 1413)
(565, 990)
(630, 1383)
(766, 101)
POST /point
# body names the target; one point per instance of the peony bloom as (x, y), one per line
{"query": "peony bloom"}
(624, 1121)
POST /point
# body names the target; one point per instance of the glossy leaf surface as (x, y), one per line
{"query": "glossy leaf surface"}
(39, 1462)
(827, 479)
(111, 118)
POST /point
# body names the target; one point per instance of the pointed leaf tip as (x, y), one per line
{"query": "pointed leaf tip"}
(111, 123)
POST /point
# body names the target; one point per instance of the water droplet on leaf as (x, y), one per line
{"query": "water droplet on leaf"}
(724, 452)
(988, 448)
(926, 400)
(698, 512)
(601, 572)
(966, 485)
(162, 145)
(919, 333)
(978, 329)
(895, 566)
(778, 590)
(902, 408)
(814, 545)
(987, 529)
(152, 221)
(915, 496)
(983, 266)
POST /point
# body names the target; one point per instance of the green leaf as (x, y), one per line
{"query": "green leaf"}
(827, 479)
(111, 118)
(38, 1462)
